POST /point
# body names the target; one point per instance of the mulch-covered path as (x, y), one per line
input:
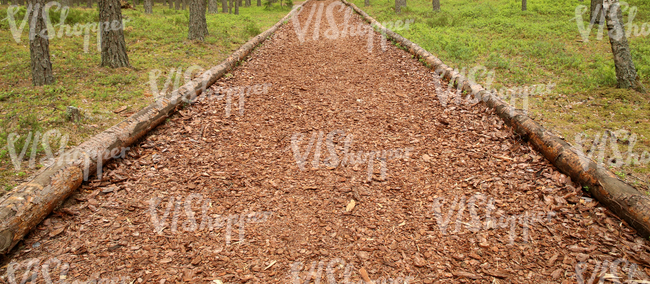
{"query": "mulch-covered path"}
(267, 215)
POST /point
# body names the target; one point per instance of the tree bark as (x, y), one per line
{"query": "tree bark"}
(436, 5)
(224, 6)
(89, 4)
(39, 48)
(524, 5)
(596, 12)
(182, 4)
(236, 7)
(198, 26)
(625, 71)
(213, 6)
(177, 4)
(399, 4)
(148, 6)
(259, 3)
(112, 35)
(366, 3)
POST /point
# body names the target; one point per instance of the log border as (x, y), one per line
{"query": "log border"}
(29, 203)
(621, 198)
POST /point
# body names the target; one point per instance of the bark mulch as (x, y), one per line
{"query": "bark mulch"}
(268, 215)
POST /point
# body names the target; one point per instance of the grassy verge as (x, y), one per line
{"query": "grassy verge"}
(544, 46)
(157, 41)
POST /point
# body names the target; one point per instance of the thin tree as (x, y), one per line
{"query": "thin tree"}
(596, 11)
(224, 6)
(524, 5)
(399, 4)
(89, 4)
(198, 26)
(177, 4)
(436, 5)
(259, 3)
(236, 7)
(148, 6)
(625, 71)
(39, 48)
(213, 6)
(112, 38)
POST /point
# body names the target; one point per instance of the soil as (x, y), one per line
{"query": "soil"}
(269, 215)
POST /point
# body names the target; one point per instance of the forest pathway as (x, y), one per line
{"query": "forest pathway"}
(280, 202)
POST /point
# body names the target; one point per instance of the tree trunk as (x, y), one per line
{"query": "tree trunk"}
(236, 7)
(39, 48)
(259, 3)
(89, 4)
(112, 36)
(198, 26)
(625, 71)
(224, 6)
(148, 6)
(399, 4)
(248, 3)
(596, 12)
(366, 3)
(239, 3)
(524, 5)
(213, 6)
(177, 4)
(436, 5)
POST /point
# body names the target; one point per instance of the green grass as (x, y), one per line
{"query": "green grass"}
(157, 41)
(540, 46)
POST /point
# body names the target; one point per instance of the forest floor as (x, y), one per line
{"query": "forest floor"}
(549, 53)
(256, 187)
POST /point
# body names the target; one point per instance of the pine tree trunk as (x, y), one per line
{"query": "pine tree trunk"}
(236, 7)
(198, 26)
(171, 4)
(89, 4)
(224, 6)
(213, 6)
(596, 12)
(399, 4)
(177, 4)
(625, 71)
(182, 4)
(259, 3)
(436, 5)
(148, 6)
(39, 49)
(239, 3)
(524, 5)
(248, 3)
(112, 40)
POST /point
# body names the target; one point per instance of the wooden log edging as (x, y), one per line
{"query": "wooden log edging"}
(619, 197)
(26, 205)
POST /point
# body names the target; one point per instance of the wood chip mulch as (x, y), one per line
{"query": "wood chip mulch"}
(267, 215)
